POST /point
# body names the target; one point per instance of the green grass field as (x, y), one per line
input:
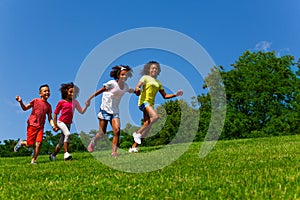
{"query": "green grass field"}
(264, 168)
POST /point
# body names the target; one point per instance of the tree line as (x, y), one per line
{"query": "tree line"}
(262, 99)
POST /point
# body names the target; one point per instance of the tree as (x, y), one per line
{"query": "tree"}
(49, 143)
(262, 93)
(178, 122)
(76, 144)
(7, 149)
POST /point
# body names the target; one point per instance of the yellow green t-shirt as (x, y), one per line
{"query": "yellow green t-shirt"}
(150, 88)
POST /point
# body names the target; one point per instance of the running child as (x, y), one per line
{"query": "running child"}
(150, 86)
(66, 107)
(36, 121)
(112, 91)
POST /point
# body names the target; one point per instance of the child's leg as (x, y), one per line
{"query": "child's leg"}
(102, 129)
(66, 147)
(30, 139)
(38, 144)
(115, 123)
(65, 128)
(143, 130)
(36, 151)
(24, 143)
(59, 145)
(33, 134)
(150, 117)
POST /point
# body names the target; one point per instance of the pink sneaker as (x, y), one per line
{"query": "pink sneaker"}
(114, 154)
(91, 147)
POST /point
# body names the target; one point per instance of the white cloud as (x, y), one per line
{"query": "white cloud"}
(283, 51)
(266, 46)
(263, 46)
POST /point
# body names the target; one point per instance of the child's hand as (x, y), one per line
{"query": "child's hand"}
(179, 93)
(55, 128)
(137, 91)
(87, 103)
(18, 98)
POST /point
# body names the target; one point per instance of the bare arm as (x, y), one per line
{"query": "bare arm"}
(51, 121)
(138, 88)
(82, 110)
(131, 90)
(101, 90)
(137, 93)
(169, 96)
(55, 120)
(23, 106)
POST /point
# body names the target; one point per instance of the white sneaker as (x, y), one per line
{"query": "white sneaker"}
(67, 156)
(133, 150)
(137, 137)
(18, 146)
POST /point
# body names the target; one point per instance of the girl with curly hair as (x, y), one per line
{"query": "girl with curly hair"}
(66, 107)
(150, 86)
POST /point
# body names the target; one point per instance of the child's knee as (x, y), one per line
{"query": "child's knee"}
(154, 118)
(59, 145)
(38, 144)
(116, 130)
(67, 137)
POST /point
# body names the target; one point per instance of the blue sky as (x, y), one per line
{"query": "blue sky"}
(47, 42)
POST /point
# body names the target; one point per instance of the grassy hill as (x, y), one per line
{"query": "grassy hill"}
(264, 168)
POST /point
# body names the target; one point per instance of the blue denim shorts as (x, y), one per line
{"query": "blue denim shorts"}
(143, 106)
(107, 116)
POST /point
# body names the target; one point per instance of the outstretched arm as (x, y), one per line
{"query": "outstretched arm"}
(131, 90)
(82, 110)
(137, 93)
(101, 90)
(23, 106)
(169, 96)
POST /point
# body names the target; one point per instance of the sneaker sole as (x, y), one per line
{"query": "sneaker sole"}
(17, 146)
(90, 150)
(68, 158)
(132, 151)
(51, 159)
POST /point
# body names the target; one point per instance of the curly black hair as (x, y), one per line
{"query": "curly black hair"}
(146, 69)
(65, 87)
(116, 70)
